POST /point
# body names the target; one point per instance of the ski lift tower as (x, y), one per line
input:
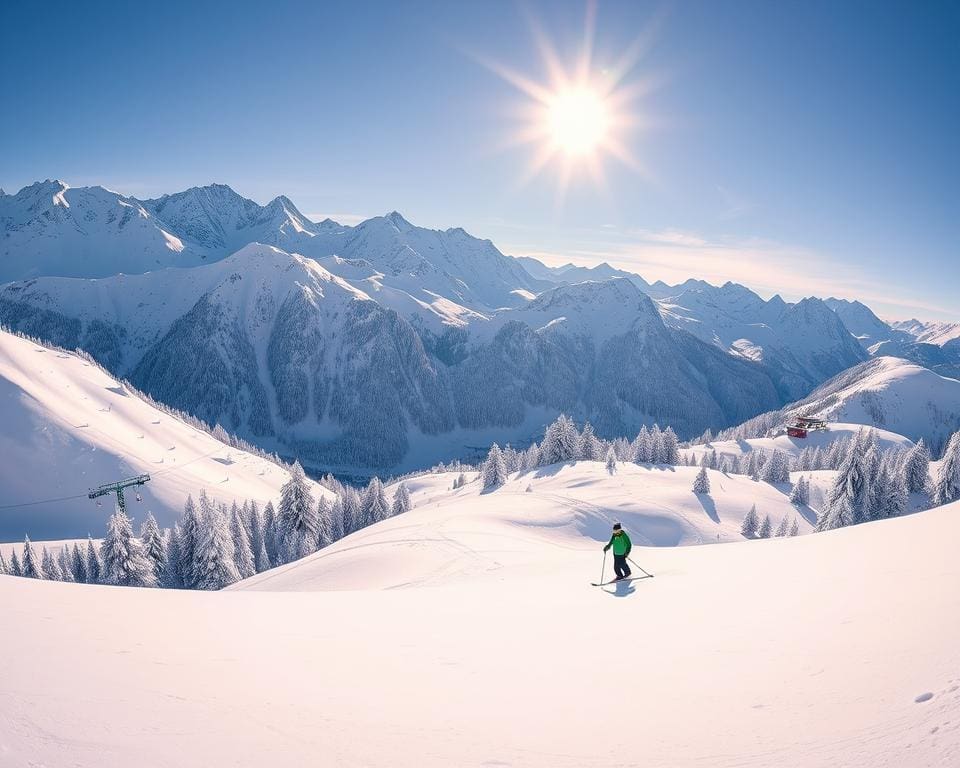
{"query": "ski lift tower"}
(117, 488)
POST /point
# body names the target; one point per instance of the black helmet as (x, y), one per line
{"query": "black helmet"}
(617, 527)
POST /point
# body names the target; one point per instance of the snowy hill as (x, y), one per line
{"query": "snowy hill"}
(886, 392)
(862, 322)
(738, 655)
(793, 446)
(454, 535)
(68, 426)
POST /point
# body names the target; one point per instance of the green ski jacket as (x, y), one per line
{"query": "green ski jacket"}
(620, 543)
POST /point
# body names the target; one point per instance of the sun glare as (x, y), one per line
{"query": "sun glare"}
(578, 121)
(584, 113)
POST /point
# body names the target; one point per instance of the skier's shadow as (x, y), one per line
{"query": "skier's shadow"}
(622, 589)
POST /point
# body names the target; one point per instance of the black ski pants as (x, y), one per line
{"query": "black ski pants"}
(620, 566)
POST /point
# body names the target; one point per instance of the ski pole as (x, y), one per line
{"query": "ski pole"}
(603, 567)
(650, 575)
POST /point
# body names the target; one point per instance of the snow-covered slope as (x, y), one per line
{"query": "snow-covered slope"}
(50, 229)
(455, 535)
(892, 394)
(68, 426)
(837, 649)
(862, 322)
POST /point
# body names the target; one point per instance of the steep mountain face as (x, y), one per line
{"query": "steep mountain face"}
(802, 344)
(280, 350)
(220, 221)
(863, 323)
(49, 228)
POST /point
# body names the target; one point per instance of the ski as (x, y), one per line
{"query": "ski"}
(617, 581)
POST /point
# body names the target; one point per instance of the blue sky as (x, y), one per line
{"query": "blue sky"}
(797, 147)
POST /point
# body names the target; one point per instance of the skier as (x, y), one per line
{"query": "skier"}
(621, 550)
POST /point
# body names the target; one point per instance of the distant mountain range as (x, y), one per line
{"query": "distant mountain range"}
(386, 345)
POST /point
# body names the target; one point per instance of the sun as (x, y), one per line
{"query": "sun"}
(578, 120)
(584, 113)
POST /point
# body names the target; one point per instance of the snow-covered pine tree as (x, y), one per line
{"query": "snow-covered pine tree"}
(849, 499)
(78, 564)
(64, 563)
(31, 565)
(124, 562)
(401, 498)
(531, 458)
(16, 569)
(782, 528)
(947, 487)
(324, 527)
(588, 448)
(671, 447)
(50, 569)
(892, 498)
(794, 528)
(765, 528)
(94, 563)
(776, 468)
(190, 524)
(337, 527)
(352, 510)
(258, 546)
(171, 576)
(242, 553)
(296, 517)
(154, 546)
(611, 461)
(375, 507)
(494, 470)
(270, 541)
(816, 459)
(702, 483)
(4, 571)
(214, 564)
(916, 468)
(658, 449)
(748, 528)
(803, 460)
(800, 494)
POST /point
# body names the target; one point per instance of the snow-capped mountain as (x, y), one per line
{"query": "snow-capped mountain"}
(285, 353)
(863, 323)
(79, 428)
(220, 221)
(49, 228)
(802, 344)
(938, 333)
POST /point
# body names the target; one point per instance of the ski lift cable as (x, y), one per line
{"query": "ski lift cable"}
(42, 501)
(85, 495)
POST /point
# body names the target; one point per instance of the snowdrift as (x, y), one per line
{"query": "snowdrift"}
(811, 652)
(68, 426)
